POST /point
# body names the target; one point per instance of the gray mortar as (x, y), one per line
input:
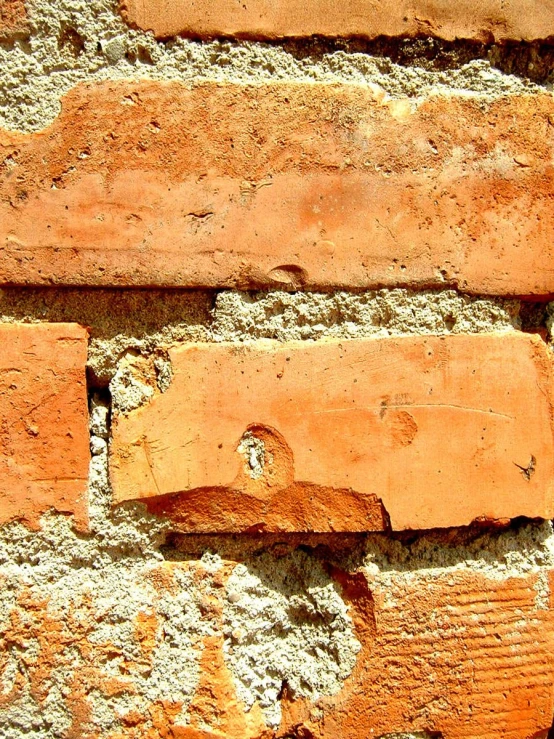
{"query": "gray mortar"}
(128, 389)
(76, 40)
(515, 552)
(254, 453)
(286, 623)
(285, 316)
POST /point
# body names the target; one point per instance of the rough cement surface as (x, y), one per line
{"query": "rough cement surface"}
(254, 453)
(76, 40)
(285, 316)
(128, 389)
(521, 549)
(286, 623)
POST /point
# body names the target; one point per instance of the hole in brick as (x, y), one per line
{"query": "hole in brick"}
(266, 455)
(254, 452)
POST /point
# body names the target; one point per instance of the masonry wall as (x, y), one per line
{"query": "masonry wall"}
(276, 370)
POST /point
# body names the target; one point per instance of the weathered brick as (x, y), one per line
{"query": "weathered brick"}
(13, 19)
(483, 21)
(148, 651)
(44, 438)
(146, 183)
(316, 436)
(458, 655)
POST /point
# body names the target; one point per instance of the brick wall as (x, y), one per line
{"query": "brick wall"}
(276, 370)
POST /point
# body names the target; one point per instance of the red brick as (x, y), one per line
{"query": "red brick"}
(440, 430)
(146, 183)
(13, 19)
(44, 438)
(486, 20)
(458, 654)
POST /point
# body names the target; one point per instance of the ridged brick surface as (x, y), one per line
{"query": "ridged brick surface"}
(462, 655)
(294, 185)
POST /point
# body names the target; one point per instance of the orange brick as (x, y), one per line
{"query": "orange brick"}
(13, 19)
(459, 655)
(44, 438)
(441, 431)
(487, 20)
(321, 186)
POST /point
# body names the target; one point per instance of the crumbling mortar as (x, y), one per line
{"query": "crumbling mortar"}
(239, 316)
(63, 566)
(73, 41)
(513, 549)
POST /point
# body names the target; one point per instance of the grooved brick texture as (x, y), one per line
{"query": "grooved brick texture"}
(431, 432)
(281, 185)
(461, 653)
(44, 438)
(481, 20)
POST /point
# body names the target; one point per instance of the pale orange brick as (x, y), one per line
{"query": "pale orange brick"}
(482, 20)
(281, 185)
(13, 19)
(439, 430)
(44, 439)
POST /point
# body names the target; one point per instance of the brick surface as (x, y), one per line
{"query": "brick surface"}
(13, 19)
(44, 440)
(459, 655)
(442, 431)
(146, 183)
(483, 20)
